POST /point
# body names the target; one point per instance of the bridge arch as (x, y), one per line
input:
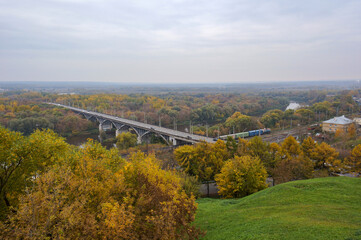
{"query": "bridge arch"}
(117, 127)
(160, 135)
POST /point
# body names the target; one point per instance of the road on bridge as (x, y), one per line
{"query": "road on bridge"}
(186, 137)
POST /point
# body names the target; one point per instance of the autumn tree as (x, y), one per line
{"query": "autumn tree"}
(352, 131)
(290, 147)
(203, 160)
(340, 134)
(240, 122)
(272, 117)
(326, 157)
(231, 145)
(308, 146)
(354, 161)
(94, 194)
(126, 140)
(291, 163)
(23, 159)
(242, 148)
(260, 149)
(241, 176)
(275, 151)
(72, 124)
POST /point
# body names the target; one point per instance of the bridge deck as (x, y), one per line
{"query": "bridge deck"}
(161, 130)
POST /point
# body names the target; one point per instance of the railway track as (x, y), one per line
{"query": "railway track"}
(279, 136)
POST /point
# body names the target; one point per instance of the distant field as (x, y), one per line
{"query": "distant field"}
(323, 208)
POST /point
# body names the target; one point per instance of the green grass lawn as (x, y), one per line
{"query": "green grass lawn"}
(323, 208)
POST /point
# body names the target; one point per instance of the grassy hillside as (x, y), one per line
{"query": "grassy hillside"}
(323, 208)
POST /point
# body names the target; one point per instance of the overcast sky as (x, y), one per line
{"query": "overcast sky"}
(179, 41)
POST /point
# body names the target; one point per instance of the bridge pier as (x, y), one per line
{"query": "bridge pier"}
(139, 139)
(173, 141)
(101, 133)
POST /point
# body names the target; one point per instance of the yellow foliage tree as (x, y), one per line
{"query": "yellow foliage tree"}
(241, 176)
(352, 131)
(340, 134)
(308, 146)
(291, 163)
(354, 161)
(22, 159)
(242, 147)
(203, 160)
(261, 149)
(126, 140)
(94, 194)
(290, 147)
(326, 157)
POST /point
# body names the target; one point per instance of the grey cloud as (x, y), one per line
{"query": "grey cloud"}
(271, 38)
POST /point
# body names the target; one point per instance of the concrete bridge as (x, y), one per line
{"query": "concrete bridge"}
(172, 137)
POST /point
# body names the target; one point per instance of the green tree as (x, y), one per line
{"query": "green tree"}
(241, 176)
(203, 160)
(126, 140)
(272, 117)
(29, 124)
(305, 115)
(22, 159)
(240, 122)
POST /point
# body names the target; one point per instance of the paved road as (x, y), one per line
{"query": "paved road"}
(161, 130)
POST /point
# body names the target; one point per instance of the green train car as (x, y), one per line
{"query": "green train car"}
(242, 135)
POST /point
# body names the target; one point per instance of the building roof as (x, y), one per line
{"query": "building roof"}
(293, 106)
(339, 120)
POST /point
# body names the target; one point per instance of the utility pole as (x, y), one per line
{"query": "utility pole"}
(218, 131)
(145, 119)
(160, 123)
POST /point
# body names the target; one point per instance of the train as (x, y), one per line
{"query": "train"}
(251, 133)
